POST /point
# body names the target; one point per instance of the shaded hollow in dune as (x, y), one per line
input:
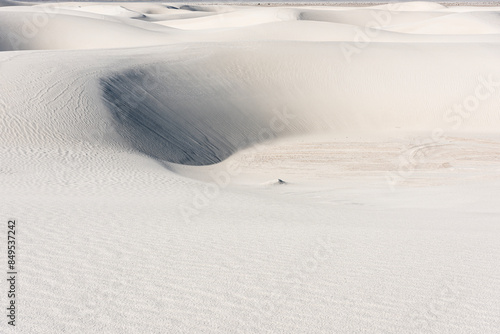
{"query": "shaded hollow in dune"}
(176, 117)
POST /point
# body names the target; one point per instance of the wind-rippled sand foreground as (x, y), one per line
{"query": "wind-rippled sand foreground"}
(222, 169)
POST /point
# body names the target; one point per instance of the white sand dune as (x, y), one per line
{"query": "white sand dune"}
(141, 147)
(102, 26)
(183, 116)
(459, 23)
(113, 10)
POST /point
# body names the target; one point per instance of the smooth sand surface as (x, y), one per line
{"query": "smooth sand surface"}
(250, 169)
